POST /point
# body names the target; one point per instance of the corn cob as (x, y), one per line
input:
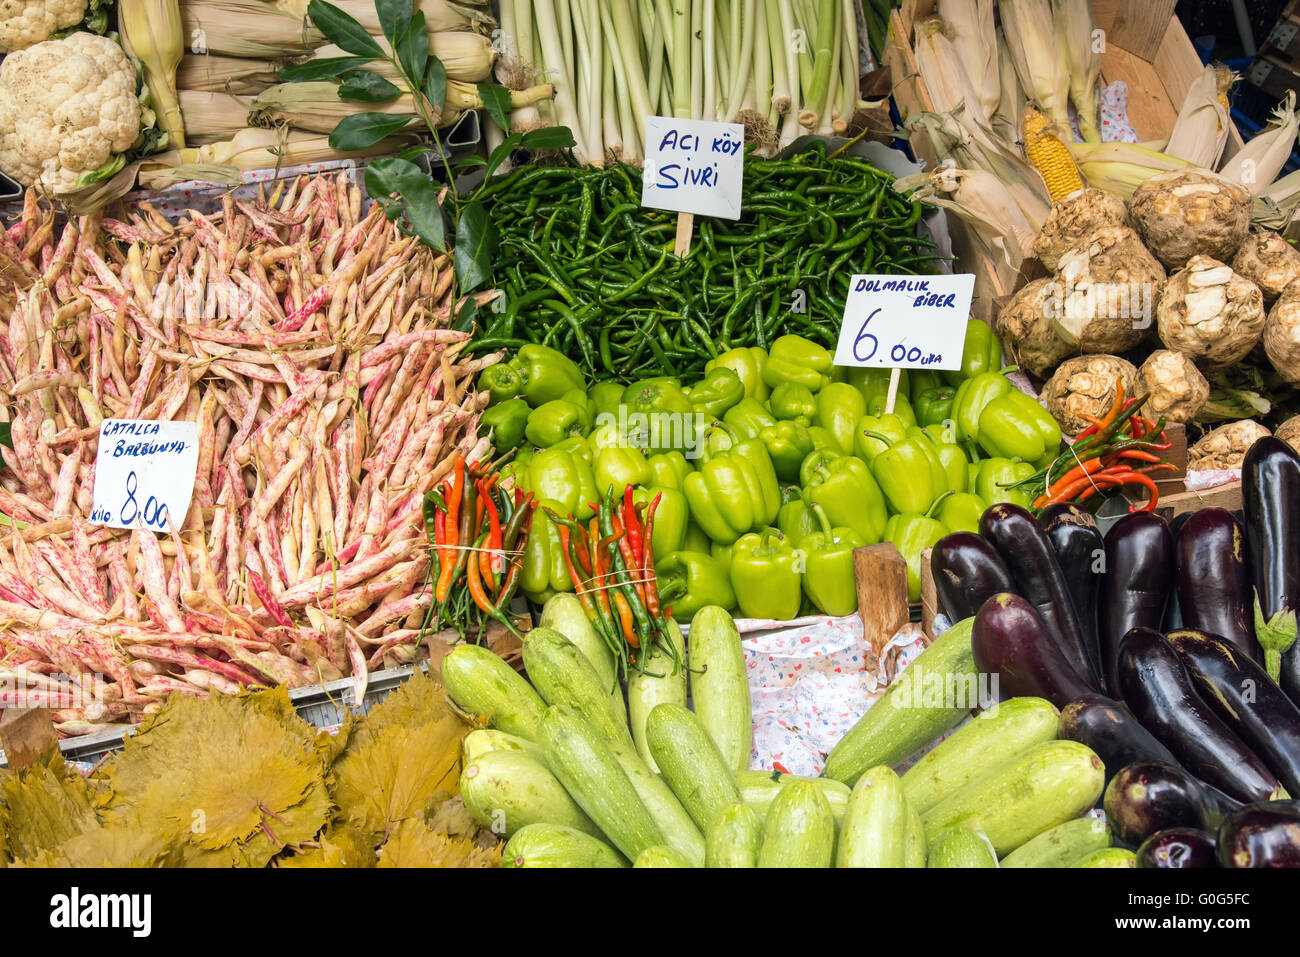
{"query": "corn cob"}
(1050, 156)
(152, 34)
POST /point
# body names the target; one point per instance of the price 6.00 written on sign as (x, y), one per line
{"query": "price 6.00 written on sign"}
(905, 322)
(144, 473)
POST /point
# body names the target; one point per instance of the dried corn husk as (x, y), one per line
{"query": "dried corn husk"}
(212, 73)
(1201, 131)
(211, 117)
(1120, 168)
(1259, 163)
(251, 149)
(944, 72)
(970, 27)
(151, 33)
(1074, 29)
(438, 14)
(466, 56)
(1011, 99)
(1030, 32)
(1277, 206)
(246, 28)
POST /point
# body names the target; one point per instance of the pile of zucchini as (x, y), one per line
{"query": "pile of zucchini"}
(575, 776)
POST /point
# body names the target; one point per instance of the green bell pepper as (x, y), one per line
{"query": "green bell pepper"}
(765, 576)
(910, 475)
(543, 571)
(1015, 426)
(822, 438)
(563, 478)
(660, 416)
(902, 408)
(583, 401)
(617, 468)
(669, 470)
(997, 475)
(748, 364)
(717, 392)
(722, 555)
(578, 447)
(788, 444)
(734, 492)
(748, 418)
(922, 380)
(796, 520)
(696, 540)
(539, 373)
(875, 433)
(828, 578)
(606, 397)
(934, 406)
(794, 402)
(507, 420)
(847, 490)
(671, 518)
(982, 352)
(839, 409)
(608, 436)
(873, 384)
(815, 460)
(956, 467)
(961, 512)
(972, 397)
(689, 581)
(553, 422)
(799, 360)
(912, 534)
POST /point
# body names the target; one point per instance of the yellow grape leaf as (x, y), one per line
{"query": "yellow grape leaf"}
(129, 846)
(413, 844)
(339, 847)
(43, 805)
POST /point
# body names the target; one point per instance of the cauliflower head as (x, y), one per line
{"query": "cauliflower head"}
(66, 108)
(27, 22)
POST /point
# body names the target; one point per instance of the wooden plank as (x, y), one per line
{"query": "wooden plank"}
(1224, 496)
(929, 595)
(1149, 109)
(880, 573)
(26, 734)
(1138, 28)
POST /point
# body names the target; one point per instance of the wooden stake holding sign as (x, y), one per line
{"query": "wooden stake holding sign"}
(898, 322)
(693, 167)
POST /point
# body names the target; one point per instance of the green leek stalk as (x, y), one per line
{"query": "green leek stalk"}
(587, 87)
(823, 57)
(777, 47)
(681, 56)
(697, 59)
(710, 61)
(760, 92)
(746, 15)
(565, 104)
(793, 59)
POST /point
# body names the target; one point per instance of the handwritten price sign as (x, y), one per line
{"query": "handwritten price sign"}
(144, 473)
(693, 166)
(905, 322)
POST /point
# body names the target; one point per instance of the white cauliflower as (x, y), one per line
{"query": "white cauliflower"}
(27, 22)
(67, 107)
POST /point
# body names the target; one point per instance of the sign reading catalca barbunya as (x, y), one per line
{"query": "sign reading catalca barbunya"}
(144, 473)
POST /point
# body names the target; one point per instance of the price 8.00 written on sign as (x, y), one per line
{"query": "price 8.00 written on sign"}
(905, 322)
(693, 166)
(144, 473)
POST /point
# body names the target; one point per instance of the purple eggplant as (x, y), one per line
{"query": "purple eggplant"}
(1079, 548)
(1038, 576)
(1139, 578)
(1147, 797)
(1247, 700)
(1009, 639)
(1161, 694)
(1179, 847)
(967, 572)
(1213, 591)
(1270, 494)
(1112, 732)
(1266, 834)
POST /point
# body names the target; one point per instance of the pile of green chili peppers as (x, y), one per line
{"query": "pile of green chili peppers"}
(586, 270)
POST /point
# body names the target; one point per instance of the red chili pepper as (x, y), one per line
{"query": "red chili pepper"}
(631, 524)
(647, 535)
(491, 563)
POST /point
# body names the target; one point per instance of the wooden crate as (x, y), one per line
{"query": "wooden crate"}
(1146, 47)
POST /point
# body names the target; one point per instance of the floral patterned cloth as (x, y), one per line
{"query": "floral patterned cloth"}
(1115, 127)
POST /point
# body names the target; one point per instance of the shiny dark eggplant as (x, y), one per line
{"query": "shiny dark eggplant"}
(1266, 834)
(967, 572)
(1009, 639)
(1173, 617)
(1139, 578)
(1147, 797)
(1247, 700)
(1179, 847)
(1214, 592)
(1162, 695)
(1038, 577)
(1270, 493)
(1109, 729)
(1079, 548)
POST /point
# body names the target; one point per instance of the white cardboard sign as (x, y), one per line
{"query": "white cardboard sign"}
(144, 473)
(905, 322)
(693, 166)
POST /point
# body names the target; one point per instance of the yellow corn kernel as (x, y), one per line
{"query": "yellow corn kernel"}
(1050, 156)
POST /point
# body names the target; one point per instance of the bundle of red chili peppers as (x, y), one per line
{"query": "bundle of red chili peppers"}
(478, 532)
(1120, 448)
(612, 567)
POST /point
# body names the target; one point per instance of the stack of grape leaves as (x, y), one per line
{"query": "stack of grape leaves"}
(244, 781)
